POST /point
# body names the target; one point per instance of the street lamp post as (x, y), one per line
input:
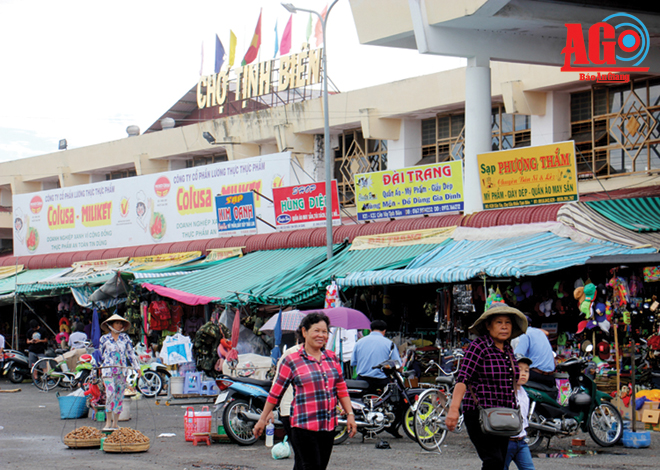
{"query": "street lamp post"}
(326, 125)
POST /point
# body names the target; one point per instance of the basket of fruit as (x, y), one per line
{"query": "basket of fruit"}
(83, 437)
(126, 440)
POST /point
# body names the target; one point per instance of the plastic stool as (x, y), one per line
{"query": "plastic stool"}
(202, 437)
(209, 388)
(192, 383)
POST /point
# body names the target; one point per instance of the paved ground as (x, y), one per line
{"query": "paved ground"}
(32, 437)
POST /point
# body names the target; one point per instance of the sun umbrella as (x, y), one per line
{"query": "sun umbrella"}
(349, 318)
(290, 321)
(96, 336)
(236, 329)
(276, 353)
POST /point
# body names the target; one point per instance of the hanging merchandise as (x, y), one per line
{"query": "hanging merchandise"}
(159, 315)
(620, 294)
(205, 347)
(387, 305)
(332, 296)
(133, 315)
(651, 273)
(176, 316)
(493, 296)
(176, 349)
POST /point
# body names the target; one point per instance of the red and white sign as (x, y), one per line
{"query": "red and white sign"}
(303, 206)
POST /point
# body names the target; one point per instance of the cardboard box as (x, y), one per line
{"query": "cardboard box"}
(625, 411)
(647, 406)
(651, 416)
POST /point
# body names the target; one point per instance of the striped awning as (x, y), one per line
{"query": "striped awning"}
(462, 260)
(640, 214)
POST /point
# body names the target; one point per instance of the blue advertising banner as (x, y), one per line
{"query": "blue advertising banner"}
(236, 215)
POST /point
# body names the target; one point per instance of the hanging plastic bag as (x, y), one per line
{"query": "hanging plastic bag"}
(176, 349)
(281, 450)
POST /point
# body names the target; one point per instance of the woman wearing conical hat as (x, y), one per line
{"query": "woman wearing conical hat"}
(117, 356)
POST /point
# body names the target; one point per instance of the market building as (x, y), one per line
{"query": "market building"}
(244, 133)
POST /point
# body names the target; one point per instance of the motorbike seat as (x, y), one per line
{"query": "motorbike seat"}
(259, 383)
(541, 387)
(361, 384)
(444, 380)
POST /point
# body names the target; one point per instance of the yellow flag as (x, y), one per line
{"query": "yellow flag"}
(232, 48)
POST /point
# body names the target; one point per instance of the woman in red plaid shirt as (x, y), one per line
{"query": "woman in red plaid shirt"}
(318, 383)
(490, 371)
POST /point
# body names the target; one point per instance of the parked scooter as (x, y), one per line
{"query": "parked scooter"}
(242, 399)
(150, 383)
(375, 413)
(17, 366)
(586, 410)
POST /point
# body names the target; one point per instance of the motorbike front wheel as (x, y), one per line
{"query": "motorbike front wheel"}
(605, 425)
(150, 384)
(238, 430)
(15, 375)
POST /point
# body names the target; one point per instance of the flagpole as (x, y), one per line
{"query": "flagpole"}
(326, 125)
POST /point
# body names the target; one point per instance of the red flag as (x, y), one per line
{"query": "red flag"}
(253, 50)
(285, 45)
(318, 29)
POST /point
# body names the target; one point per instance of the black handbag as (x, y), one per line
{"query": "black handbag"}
(499, 421)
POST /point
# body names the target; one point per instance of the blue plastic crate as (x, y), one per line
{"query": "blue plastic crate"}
(636, 440)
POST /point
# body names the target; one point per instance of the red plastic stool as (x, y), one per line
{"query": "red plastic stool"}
(202, 437)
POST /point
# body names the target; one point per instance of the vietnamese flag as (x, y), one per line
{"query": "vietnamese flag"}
(285, 45)
(318, 30)
(253, 50)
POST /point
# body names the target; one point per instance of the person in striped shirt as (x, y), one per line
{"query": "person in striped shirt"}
(316, 376)
(489, 374)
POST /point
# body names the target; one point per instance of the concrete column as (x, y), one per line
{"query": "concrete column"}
(407, 150)
(477, 128)
(555, 124)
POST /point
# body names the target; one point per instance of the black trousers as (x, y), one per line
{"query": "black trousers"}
(491, 449)
(286, 423)
(313, 448)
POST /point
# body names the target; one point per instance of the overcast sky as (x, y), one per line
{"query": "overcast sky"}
(85, 70)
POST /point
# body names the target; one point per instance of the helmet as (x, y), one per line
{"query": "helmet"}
(86, 358)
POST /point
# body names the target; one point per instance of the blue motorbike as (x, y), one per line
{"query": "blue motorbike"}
(242, 400)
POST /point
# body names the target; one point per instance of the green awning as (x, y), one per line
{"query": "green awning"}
(252, 273)
(641, 214)
(310, 288)
(63, 283)
(28, 277)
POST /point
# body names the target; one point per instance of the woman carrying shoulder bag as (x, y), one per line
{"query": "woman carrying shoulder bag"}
(487, 379)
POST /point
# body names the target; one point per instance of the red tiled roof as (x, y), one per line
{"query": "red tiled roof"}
(316, 236)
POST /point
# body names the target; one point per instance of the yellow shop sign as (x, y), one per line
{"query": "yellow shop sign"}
(545, 174)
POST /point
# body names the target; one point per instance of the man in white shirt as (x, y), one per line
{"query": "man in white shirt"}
(78, 338)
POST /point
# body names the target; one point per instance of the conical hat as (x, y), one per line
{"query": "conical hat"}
(114, 318)
(500, 308)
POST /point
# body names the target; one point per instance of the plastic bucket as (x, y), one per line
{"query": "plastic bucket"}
(177, 385)
(194, 422)
(125, 414)
(72, 407)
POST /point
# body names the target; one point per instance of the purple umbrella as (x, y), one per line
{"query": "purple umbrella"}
(344, 317)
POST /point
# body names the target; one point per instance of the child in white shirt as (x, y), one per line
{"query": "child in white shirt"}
(518, 449)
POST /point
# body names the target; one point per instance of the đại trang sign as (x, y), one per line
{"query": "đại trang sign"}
(427, 189)
(272, 76)
(303, 206)
(545, 174)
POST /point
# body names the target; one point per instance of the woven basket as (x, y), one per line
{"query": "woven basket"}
(82, 443)
(138, 447)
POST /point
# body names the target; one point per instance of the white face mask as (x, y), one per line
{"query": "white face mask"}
(115, 331)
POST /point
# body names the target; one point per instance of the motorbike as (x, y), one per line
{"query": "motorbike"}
(150, 383)
(17, 366)
(241, 400)
(375, 413)
(587, 409)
